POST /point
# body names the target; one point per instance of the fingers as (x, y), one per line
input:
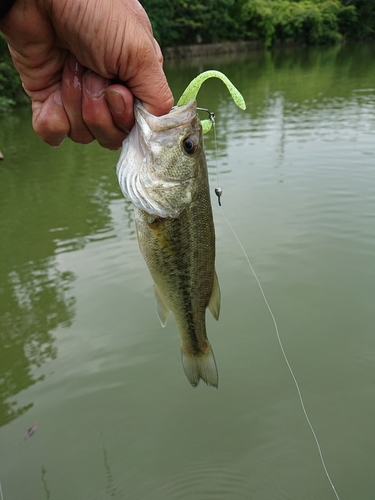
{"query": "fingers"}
(145, 77)
(106, 110)
(120, 102)
(71, 93)
(95, 110)
(86, 107)
(141, 64)
(50, 121)
(159, 98)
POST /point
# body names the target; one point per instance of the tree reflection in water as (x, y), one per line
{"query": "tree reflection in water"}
(51, 201)
(34, 301)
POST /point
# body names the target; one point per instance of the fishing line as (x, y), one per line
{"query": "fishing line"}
(216, 161)
(219, 190)
(1, 492)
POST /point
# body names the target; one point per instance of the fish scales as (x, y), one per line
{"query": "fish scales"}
(183, 266)
(175, 227)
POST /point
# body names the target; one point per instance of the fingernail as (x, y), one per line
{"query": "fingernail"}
(57, 98)
(94, 84)
(73, 64)
(115, 102)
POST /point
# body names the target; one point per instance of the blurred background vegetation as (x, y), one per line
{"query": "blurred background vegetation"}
(182, 22)
(187, 22)
(11, 92)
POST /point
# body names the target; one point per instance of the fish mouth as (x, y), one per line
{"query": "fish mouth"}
(141, 181)
(177, 117)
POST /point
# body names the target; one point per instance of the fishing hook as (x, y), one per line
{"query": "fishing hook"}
(211, 114)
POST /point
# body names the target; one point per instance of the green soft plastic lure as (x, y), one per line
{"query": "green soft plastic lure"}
(192, 90)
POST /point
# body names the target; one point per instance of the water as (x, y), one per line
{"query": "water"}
(82, 350)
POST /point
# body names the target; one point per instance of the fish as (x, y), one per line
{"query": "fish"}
(162, 170)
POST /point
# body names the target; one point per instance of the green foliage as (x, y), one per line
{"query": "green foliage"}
(305, 21)
(363, 25)
(182, 22)
(11, 92)
(186, 22)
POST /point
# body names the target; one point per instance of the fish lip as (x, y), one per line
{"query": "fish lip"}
(148, 124)
(178, 115)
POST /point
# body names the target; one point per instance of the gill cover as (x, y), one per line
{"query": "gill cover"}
(157, 168)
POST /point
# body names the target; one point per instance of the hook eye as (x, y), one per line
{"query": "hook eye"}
(211, 115)
(207, 124)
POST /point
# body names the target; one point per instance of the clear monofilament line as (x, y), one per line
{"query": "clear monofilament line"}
(1, 493)
(216, 161)
(276, 330)
(285, 356)
(218, 190)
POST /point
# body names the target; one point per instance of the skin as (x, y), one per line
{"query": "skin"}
(68, 51)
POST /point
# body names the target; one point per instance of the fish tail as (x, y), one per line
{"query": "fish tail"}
(200, 366)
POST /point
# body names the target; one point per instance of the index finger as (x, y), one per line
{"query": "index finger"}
(148, 81)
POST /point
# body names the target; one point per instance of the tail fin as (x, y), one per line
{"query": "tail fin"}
(200, 366)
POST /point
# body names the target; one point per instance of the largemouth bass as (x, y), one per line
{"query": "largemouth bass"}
(162, 170)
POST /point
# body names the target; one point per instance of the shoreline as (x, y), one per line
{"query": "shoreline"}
(210, 49)
(183, 52)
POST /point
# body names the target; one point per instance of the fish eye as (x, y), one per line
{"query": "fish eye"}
(190, 146)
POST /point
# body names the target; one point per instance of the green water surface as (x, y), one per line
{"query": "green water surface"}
(82, 351)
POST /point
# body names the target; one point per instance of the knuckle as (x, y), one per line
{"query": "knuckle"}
(52, 135)
(81, 138)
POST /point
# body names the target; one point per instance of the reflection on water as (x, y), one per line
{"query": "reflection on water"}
(117, 419)
(45, 484)
(33, 302)
(50, 202)
(111, 489)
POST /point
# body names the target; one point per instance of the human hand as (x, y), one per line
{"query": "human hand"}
(67, 52)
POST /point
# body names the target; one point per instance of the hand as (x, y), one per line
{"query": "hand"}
(67, 52)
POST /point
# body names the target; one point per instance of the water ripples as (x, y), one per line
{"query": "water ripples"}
(205, 480)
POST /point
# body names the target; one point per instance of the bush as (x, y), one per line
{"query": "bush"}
(181, 22)
(306, 21)
(186, 22)
(11, 92)
(362, 23)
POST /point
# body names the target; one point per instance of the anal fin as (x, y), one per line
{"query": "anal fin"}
(214, 304)
(163, 311)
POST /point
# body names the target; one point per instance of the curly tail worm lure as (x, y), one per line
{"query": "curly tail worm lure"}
(194, 86)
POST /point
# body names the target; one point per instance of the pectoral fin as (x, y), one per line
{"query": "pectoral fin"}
(214, 304)
(163, 311)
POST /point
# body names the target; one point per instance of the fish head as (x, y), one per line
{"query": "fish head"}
(160, 167)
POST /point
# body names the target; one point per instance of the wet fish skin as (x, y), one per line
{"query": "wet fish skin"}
(175, 229)
(153, 172)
